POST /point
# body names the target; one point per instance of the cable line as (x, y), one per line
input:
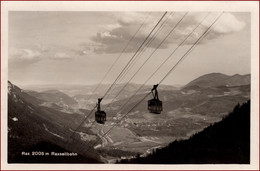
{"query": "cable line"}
(93, 144)
(123, 51)
(158, 46)
(177, 48)
(188, 51)
(167, 58)
(141, 53)
(147, 45)
(191, 48)
(133, 36)
(135, 54)
(82, 122)
(124, 68)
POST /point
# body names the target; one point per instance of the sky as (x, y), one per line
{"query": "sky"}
(80, 47)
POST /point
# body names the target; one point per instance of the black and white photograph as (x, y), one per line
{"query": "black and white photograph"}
(136, 87)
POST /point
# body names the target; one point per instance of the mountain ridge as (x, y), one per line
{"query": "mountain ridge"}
(219, 79)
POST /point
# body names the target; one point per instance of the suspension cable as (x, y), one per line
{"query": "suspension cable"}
(147, 44)
(165, 60)
(158, 46)
(122, 52)
(93, 144)
(177, 48)
(140, 54)
(135, 54)
(133, 36)
(189, 50)
(124, 68)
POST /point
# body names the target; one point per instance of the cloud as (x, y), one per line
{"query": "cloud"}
(24, 55)
(61, 56)
(29, 56)
(114, 37)
(228, 24)
(84, 48)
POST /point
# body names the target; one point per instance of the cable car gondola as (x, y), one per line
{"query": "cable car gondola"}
(100, 115)
(155, 105)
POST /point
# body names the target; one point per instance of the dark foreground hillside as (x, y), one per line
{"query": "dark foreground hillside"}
(225, 142)
(34, 132)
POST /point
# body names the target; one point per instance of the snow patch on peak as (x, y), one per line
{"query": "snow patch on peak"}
(15, 98)
(15, 119)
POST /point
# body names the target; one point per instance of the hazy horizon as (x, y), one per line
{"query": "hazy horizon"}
(71, 84)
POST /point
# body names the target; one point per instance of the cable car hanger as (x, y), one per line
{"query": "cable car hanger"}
(100, 116)
(155, 105)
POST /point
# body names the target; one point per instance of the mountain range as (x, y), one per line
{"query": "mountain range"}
(52, 115)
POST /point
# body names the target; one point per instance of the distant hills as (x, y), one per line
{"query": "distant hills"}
(84, 97)
(54, 96)
(207, 95)
(218, 79)
(225, 142)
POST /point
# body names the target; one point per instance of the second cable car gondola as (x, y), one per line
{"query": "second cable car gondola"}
(100, 115)
(155, 105)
